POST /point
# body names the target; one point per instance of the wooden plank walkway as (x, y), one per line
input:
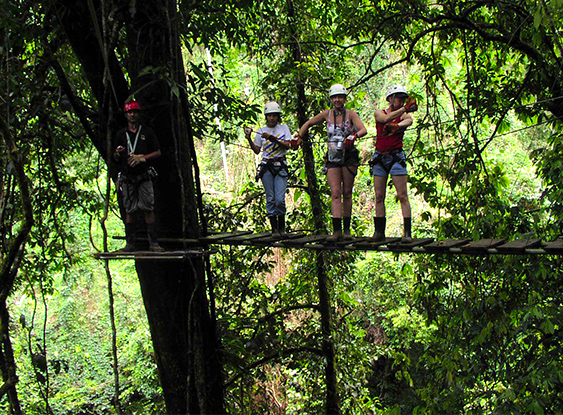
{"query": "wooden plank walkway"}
(394, 244)
(319, 243)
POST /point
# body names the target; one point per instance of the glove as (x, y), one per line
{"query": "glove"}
(349, 142)
(136, 159)
(411, 105)
(391, 128)
(272, 138)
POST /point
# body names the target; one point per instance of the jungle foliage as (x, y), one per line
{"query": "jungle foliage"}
(408, 334)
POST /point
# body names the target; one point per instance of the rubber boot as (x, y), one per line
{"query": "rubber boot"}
(275, 228)
(281, 226)
(379, 223)
(153, 242)
(130, 230)
(337, 230)
(407, 236)
(346, 221)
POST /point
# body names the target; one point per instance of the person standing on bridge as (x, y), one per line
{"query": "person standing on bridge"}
(343, 127)
(274, 140)
(390, 159)
(135, 147)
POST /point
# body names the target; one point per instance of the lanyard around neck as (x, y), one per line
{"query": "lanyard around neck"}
(343, 118)
(131, 148)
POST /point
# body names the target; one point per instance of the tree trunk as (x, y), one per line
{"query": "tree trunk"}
(174, 292)
(332, 402)
(10, 265)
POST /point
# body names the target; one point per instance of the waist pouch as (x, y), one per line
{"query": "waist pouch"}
(336, 151)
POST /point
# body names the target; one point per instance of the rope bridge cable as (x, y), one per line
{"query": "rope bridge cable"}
(322, 141)
(410, 156)
(450, 120)
(366, 137)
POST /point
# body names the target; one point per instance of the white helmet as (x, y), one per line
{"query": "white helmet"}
(396, 89)
(272, 108)
(337, 89)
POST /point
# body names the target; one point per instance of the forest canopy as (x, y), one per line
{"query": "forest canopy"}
(270, 330)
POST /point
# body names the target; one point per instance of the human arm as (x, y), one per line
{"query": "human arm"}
(117, 153)
(317, 119)
(135, 159)
(359, 127)
(384, 118)
(282, 143)
(253, 146)
(394, 127)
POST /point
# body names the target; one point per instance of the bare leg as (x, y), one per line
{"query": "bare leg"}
(334, 177)
(150, 217)
(379, 184)
(400, 183)
(348, 176)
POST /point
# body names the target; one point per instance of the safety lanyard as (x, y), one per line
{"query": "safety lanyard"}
(131, 148)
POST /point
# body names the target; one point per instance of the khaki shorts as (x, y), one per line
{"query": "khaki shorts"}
(137, 196)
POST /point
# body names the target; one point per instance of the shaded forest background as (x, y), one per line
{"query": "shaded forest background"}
(299, 332)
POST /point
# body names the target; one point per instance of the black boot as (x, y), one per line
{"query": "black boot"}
(274, 224)
(407, 236)
(379, 234)
(337, 230)
(281, 226)
(130, 230)
(153, 242)
(346, 221)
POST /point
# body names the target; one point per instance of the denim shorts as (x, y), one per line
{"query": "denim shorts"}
(389, 165)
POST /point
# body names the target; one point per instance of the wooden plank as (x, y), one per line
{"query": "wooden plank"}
(220, 236)
(300, 242)
(518, 245)
(354, 240)
(442, 246)
(246, 239)
(348, 244)
(369, 245)
(276, 241)
(162, 239)
(407, 247)
(149, 255)
(281, 243)
(554, 247)
(481, 246)
(265, 241)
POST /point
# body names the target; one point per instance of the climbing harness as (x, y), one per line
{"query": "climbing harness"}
(274, 166)
(379, 156)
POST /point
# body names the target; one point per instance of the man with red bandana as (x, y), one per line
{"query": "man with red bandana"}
(136, 145)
